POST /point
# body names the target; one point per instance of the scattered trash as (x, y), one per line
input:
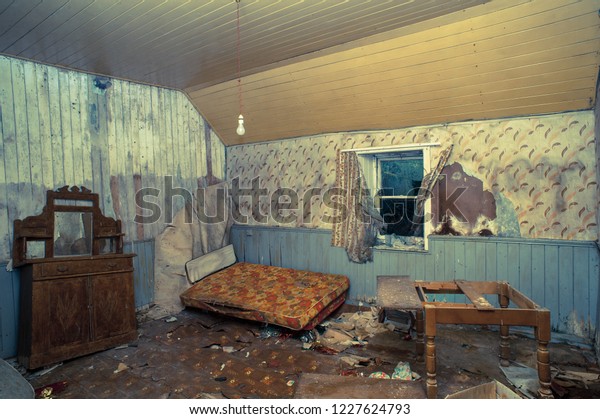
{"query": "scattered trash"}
(337, 337)
(270, 332)
(122, 346)
(564, 381)
(578, 376)
(401, 320)
(361, 325)
(401, 372)
(523, 378)
(355, 360)
(290, 383)
(308, 336)
(120, 367)
(171, 319)
(228, 349)
(50, 390)
(222, 367)
(49, 369)
(379, 374)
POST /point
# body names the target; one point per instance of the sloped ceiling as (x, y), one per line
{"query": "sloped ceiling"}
(317, 66)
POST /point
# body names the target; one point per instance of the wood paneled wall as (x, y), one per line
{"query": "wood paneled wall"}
(558, 274)
(59, 129)
(498, 60)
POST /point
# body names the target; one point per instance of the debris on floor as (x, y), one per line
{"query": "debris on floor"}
(121, 367)
(202, 355)
(51, 390)
(565, 382)
(360, 325)
(491, 390)
(401, 372)
(523, 378)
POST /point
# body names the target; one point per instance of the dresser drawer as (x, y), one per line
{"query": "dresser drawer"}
(83, 267)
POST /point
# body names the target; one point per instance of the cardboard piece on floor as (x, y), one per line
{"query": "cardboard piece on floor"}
(325, 386)
(491, 390)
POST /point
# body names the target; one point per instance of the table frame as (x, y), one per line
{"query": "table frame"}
(478, 311)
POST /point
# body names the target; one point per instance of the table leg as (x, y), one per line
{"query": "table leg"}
(420, 344)
(431, 368)
(542, 332)
(504, 329)
(430, 358)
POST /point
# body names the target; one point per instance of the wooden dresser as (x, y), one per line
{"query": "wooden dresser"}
(76, 283)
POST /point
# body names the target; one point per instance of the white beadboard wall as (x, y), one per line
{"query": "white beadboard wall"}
(58, 129)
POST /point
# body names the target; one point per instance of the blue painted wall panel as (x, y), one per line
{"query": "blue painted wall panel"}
(558, 274)
(9, 312)
(143, 271)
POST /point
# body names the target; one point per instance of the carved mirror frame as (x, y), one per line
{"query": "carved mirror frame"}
(76, 209)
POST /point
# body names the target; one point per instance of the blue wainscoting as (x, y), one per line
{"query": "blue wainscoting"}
(9, 312)
(558, 274)
(9, 293)
(597, 342)
(143, 271)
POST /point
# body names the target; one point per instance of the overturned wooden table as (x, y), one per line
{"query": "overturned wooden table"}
(402, 293)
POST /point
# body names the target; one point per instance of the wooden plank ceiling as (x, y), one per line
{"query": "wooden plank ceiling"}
(318, 66)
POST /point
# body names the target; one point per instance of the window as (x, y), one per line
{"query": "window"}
(394, 176)
(399, 177)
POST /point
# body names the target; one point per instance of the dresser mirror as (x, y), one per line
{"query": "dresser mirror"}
(72, 233)
(70, 225)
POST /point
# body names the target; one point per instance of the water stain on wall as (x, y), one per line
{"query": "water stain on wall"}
(461, 198)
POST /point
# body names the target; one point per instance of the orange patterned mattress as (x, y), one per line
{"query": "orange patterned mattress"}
(286, 297)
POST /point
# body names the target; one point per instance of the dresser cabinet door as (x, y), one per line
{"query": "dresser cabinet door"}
(60, 315)
(112, 302)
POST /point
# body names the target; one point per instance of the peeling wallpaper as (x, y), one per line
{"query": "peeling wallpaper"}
(541, 171)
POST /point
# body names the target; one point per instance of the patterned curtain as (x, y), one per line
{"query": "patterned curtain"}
(356, 228)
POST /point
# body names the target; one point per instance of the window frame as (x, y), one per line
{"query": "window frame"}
(368, 158)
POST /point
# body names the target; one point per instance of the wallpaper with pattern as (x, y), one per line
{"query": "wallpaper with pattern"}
(541, 171)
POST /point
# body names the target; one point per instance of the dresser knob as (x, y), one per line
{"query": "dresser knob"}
(62, 268)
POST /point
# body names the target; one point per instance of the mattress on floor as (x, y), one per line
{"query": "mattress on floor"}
(291, 298)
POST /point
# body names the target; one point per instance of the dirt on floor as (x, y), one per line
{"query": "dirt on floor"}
(199, 355)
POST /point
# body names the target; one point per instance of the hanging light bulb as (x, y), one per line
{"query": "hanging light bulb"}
(240, 128)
